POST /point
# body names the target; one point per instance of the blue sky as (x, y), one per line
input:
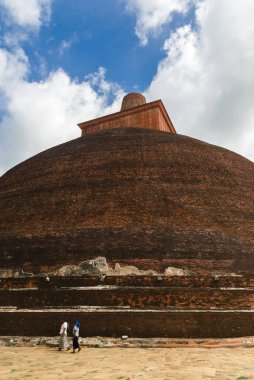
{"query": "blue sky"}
(66, 61)
(83, 35)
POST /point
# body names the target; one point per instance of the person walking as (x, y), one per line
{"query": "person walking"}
(75, 337)
(63, 343)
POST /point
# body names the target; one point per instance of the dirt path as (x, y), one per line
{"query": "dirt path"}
(127, 363)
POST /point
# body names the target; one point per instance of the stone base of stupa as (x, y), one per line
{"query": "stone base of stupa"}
(135, 306)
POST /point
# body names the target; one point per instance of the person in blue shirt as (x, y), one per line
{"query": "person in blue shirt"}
(75, 337)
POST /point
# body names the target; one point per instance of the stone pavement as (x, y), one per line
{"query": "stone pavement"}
(42, 362)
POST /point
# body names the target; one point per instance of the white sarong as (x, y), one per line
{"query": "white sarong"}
(63, 344)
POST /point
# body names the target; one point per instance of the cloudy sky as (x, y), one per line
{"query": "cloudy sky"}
(67, 61)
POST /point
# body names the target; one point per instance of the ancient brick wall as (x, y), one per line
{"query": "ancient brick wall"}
(156, 249)
(141, 306)
(144, 298)
(188, 324)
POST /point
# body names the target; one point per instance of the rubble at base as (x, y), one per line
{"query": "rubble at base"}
(98, 267)
(104, 342)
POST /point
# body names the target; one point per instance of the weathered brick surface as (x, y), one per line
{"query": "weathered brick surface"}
(135, 196)
(188, 324)
(144, 298)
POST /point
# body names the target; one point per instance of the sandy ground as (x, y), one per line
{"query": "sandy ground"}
(127, 363)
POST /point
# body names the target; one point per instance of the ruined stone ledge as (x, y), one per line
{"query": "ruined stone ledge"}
(216, 281)
(101, 309)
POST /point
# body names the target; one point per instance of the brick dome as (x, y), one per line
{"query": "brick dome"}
(136, 196)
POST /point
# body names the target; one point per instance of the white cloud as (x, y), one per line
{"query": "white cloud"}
(67, 44)
(152, 14)
(28, 13)
(206, 79)
(39, 115)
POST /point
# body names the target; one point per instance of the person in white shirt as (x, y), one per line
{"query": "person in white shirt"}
(63, 343)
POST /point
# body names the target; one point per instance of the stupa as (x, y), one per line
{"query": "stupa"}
(129, 193)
